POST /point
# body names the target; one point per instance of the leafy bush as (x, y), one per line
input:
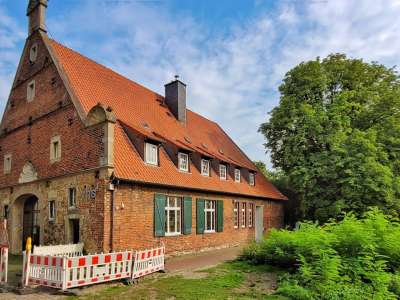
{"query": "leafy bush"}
(348, 259)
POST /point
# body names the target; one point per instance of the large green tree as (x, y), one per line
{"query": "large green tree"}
(336, 135)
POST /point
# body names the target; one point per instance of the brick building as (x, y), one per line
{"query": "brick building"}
(91, 156)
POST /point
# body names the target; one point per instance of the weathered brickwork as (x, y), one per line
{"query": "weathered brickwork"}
(49, 89)
(31, 125)
(81, 148)
(89, 211)
(134, 217)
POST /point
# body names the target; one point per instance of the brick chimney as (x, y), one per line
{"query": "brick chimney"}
(175, 98)
(36, 13)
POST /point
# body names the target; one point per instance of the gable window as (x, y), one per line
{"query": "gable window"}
(30, 91)
(209, 214)
(222, 172)
(7, 164)
(33, 53)
(173, 216)
(236, 215)
(52, 210)
(205, 167)
(55, 149)
(251, 214)
(183, 162)
(237, 175)
(252, 178)
(72, 197)
(243, 215)
(151, 154)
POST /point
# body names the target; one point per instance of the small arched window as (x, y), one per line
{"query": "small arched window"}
(33, 53)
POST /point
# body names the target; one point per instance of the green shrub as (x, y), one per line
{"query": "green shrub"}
(348, 259)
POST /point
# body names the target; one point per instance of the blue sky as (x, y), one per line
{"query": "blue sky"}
(232, 54)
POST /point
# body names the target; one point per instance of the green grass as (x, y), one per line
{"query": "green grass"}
(226, 281)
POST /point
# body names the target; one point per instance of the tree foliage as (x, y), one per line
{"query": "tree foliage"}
(336, 135)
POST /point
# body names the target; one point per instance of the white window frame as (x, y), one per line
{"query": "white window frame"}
(243, 215)
(212, 211)
(7, 163)
(30, 91)
(151, 158)
(222, 172)
(204, 163)
(183, 162)
(176, 210)
(73, 202)
(55, 152)
(52, 210)
(251, 215)
(33, 52)
(237, 175)
(252, 179)
(236, 214)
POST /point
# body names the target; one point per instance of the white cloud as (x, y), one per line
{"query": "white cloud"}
(233, 74)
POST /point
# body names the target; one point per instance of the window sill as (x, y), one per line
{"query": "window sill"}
(209, 231)
(173, 234)
(151, 165)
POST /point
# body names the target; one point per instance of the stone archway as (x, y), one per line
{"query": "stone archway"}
(24, 221)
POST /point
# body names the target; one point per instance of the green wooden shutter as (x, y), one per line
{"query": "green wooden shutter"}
(200, 216)
(220, 216)
(159, 214)
(187, 215)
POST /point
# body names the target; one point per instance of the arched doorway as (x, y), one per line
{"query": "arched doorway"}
(30, 222)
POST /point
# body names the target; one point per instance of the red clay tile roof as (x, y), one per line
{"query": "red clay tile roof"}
(135, 105)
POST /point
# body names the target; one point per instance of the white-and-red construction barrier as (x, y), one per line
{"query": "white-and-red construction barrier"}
(69, 272)
(148, 261)
(90, 269)
(3, 252)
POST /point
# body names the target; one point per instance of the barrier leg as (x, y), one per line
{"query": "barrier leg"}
(3, 264)
(26, 262)
(64, 273)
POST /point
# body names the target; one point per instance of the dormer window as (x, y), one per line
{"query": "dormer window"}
(55, 149)
(183, 162)
(151, 154)
(222, 172)
(30, 91)
(252, 179)
(7, 164)
(33, 53)
(237, 175)
(205, 167)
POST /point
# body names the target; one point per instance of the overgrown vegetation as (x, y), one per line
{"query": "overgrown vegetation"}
(348, 259)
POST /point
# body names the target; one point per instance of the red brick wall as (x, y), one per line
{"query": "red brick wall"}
(81, 147)
(133, 221)
(47, 95)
